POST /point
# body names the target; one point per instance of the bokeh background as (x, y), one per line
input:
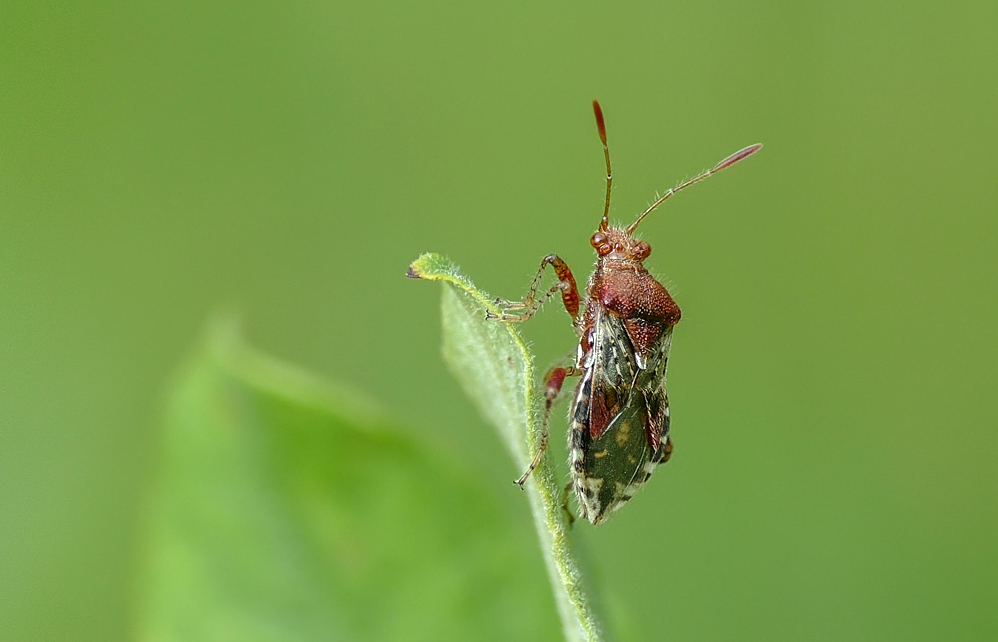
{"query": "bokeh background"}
(833, 379)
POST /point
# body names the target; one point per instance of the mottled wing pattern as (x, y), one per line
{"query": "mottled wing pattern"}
(619, 419)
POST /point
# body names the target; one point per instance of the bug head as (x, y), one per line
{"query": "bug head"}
(619, 244)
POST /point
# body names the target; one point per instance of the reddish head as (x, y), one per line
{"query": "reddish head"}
(616, 244)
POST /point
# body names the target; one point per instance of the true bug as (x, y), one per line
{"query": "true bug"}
(619, 417)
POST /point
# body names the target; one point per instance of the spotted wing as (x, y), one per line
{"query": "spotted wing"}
(620, 419)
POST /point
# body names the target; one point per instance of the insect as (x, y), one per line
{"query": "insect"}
(619, 417)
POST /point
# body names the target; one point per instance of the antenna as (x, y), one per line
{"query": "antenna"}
(726, 163)
(604, 223)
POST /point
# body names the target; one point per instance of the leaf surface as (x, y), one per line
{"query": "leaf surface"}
(288, 510)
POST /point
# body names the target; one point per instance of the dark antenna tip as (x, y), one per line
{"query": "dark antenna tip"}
(599, 121)
(737, 156)
(605, 221)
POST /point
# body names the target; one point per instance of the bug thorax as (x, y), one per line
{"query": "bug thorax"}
(616, 244)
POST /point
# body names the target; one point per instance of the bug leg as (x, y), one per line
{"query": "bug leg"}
(667, 450)
(532, 303)
(553, 381)
(529, 307)
(564, 505)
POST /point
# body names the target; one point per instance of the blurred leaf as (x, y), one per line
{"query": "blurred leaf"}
(287, 510)
(496, 370)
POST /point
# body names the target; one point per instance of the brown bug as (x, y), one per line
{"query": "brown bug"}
(619, 417)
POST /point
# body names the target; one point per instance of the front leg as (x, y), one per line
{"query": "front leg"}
(531, 303)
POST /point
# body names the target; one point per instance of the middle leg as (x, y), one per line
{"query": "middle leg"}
(553, 382)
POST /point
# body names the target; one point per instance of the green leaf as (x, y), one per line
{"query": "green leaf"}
(496, 370)
(288, 510)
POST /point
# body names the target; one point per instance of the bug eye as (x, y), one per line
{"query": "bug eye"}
(642, 250)
(599, 242)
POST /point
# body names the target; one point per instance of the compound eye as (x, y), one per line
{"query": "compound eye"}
(598, 241)
(641, 250)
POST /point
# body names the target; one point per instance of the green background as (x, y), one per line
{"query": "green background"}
(833, 378)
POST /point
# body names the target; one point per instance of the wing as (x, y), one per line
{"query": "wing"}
(620, 419)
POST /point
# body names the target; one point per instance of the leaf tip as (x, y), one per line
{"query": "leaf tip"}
(424, 267)
(432, 267)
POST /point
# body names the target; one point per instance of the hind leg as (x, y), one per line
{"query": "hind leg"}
(569, 517)
(666, 450)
